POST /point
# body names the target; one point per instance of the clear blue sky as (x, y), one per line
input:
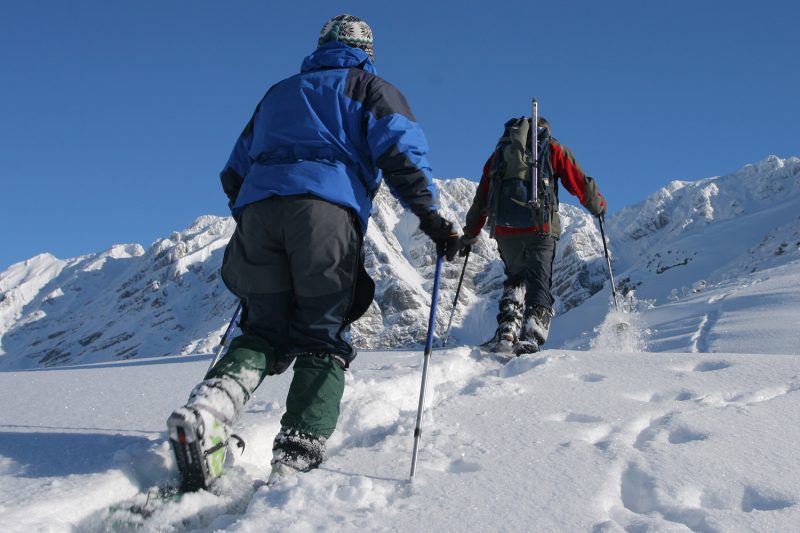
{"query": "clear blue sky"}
(116, 117)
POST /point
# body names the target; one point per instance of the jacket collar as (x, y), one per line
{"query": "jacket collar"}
(337, 55)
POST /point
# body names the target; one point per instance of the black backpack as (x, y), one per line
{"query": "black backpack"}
(510, 203)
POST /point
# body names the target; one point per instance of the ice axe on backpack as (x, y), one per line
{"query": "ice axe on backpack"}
(539, 198)
(518, 140)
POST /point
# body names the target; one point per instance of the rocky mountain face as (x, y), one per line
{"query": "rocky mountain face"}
(169, 299)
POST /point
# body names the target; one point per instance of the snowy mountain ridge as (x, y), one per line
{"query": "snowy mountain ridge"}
(168, 299)
(681, 205)
(675, 228)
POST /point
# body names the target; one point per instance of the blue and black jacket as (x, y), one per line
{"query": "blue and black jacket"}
(329, 131)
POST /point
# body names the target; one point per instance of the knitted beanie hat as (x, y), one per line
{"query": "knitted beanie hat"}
(349, 30)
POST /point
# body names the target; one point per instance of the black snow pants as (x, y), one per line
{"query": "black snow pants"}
(296, 262)
(528, 258)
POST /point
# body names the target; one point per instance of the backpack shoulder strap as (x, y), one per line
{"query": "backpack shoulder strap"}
(516, 152)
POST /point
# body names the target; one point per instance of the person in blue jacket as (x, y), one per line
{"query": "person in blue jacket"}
(300, 182)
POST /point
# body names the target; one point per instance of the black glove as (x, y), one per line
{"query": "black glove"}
(603, 209)
(598, 206)
(466, 245)
(441, 232)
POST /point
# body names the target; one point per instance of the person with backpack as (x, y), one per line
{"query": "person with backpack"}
(300, 183)
(526, 229)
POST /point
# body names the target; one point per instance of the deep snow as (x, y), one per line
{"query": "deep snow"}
(559, 441)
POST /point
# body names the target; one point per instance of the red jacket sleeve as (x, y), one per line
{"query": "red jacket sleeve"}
(583, 187)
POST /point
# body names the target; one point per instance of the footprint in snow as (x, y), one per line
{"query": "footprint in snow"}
(686, 395)
(704, 366)
(764, 395)
(647, 396)
(594, 429)
(641, 494)
(711, 366)
(755, 499)
(579, 418)
(463, 466)
(523, 364)
(659, 397)
(682, 435)
(590, 377)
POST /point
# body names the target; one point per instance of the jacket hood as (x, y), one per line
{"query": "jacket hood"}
(335, 54)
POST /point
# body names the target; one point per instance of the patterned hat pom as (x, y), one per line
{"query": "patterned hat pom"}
(349, 30)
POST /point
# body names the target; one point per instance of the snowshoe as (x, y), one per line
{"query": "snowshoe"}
(132, 515)
(199, 442)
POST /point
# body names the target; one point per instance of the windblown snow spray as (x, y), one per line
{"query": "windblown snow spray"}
(621, 330)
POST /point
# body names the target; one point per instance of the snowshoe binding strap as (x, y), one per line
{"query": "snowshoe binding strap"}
(239, 442)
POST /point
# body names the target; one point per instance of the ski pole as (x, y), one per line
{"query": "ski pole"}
(608, 260)
(426, 360)
(535, 152)
(455, 300)
(226, 336)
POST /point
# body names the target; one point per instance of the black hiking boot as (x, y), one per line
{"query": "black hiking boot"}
(293, 452)
(525, 347)
(536, 324)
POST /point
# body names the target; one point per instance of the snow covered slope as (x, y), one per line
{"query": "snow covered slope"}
(562, 441)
